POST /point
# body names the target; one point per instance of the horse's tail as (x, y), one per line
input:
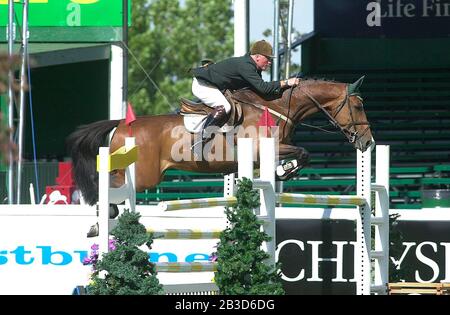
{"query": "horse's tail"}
(83, 147)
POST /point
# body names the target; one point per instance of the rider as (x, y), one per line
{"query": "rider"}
(212, 79)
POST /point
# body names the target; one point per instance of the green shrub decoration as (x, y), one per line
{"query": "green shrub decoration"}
(128, 269)
(241, 266)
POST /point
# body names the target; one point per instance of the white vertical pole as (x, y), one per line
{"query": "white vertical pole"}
(240, 27)
(32, 197)
(382, 211)
(228, 185)
(363, 224)
(23, 70)
(267, 195)
(287, 52)
(116, 106)
(130, 178)
(11, 38)
(276, 41)
(103, 200)
(245, 158)
(124, 53)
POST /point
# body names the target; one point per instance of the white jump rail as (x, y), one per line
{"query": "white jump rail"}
(306, 199)
(174, 205)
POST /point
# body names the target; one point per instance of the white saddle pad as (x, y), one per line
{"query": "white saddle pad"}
(194, 123)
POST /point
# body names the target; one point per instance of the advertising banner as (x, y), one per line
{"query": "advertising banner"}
(382, 18)
(317, 256)
(68, 12)
(42, 248)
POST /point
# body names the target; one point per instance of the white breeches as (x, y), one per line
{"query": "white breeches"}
(209, 94)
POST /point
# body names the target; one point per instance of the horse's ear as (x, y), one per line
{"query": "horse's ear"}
(353, 88)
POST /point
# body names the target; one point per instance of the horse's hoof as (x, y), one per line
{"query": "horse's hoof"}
(93, 231)
(287, 176)
(286, 168)
(113, 211)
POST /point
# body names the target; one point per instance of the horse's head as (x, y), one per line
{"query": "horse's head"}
(343, 106)
(358, 126)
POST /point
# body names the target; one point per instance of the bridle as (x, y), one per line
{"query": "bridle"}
(351, 135)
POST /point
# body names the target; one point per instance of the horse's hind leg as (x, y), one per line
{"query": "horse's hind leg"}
(292, 159)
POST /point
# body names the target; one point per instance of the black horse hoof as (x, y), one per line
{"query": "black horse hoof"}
(113, 211)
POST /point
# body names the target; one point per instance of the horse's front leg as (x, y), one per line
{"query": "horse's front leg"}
(292, 159)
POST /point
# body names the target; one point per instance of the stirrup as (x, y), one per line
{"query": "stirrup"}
(202, 142)
(195, 150)
(196, 144)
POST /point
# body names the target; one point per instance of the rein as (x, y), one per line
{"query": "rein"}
(352, 136)
(272, 111)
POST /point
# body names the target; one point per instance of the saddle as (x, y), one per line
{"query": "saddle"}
(235, 117)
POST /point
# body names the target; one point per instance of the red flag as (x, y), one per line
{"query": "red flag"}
(266, 121)
(129, 118)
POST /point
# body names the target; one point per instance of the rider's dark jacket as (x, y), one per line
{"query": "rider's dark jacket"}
(236, 73)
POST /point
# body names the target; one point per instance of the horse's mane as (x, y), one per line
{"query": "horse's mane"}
(314, 80)
(248, 94)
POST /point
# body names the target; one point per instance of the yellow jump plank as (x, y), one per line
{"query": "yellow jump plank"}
(120, 159)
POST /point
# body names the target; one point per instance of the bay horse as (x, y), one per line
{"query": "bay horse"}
(341, 103)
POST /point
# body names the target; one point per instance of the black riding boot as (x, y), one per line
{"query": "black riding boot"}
(218, 117)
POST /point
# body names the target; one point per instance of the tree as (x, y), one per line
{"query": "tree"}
(284, 14)
(6, 63)
(396, 249)
(166, 39)
(5, 143)
(241, 268)
(128, 270)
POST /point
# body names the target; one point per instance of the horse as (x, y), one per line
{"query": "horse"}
(158, 143)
